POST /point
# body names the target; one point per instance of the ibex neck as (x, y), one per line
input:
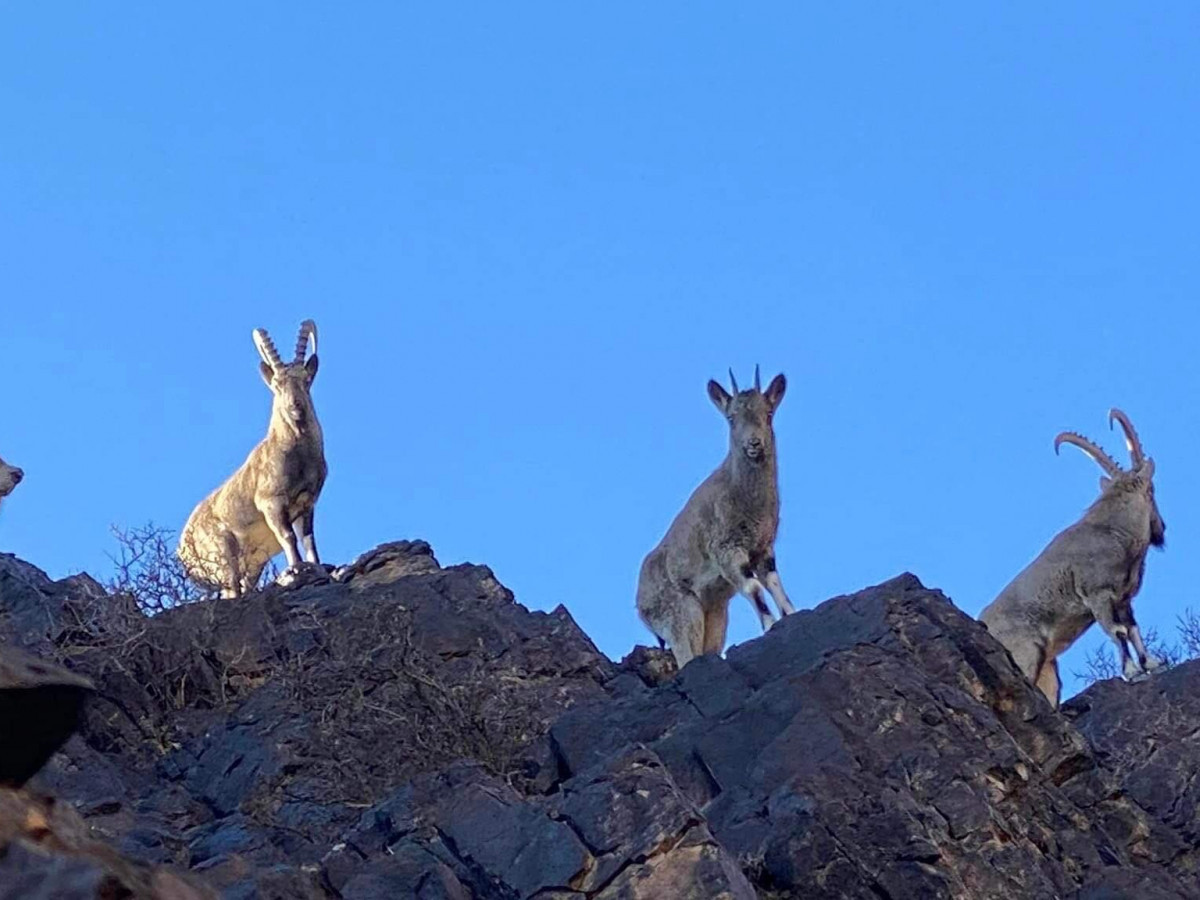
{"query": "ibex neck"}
(752, 475)
(1129, 523)
(282, 431)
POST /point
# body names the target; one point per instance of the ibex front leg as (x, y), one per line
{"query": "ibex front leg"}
(1103, 608)
(774, 584)
(1147, 660)
(305, 524)
(739, 572)
(281, 527)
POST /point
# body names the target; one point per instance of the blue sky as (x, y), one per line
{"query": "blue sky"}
(531, 233)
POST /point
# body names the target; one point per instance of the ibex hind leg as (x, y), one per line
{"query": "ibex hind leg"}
(233, 581)
(1029, 657)
(716, 625)
(683, 629)
(1048, 682)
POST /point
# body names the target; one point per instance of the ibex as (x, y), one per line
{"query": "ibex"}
(10, 477)
(234, 532)
(1090, 572)
(723, 541)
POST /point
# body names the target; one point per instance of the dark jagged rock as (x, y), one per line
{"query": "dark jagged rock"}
(399, 729)
(40, 705)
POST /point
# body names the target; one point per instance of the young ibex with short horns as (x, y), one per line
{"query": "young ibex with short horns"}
(1090, 572)
(10, 477)
(234, 532)
(723, 542)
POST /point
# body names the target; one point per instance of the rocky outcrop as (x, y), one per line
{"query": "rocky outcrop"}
(403, 729)
(46, 850)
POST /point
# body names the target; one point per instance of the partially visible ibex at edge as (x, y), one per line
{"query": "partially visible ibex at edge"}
(234, 532)
(1090, 572)
(10, 477)
(723, 541)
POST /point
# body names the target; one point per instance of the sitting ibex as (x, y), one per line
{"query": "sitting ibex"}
(10, 477)
(1090, 572)
(723, 541)
(234, 532)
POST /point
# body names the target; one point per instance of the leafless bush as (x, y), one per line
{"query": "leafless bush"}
(148, 570)
(1100, 664)
(1188, 625)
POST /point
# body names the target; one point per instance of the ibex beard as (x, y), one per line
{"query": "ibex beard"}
(723, 541)
(235, 531)
(1090, 572)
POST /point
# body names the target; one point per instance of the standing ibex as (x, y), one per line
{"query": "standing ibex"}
(234, 532)
(1090, 572)
(723, 541)
(10, 477)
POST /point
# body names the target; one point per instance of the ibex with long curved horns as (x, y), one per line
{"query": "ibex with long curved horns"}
(234, 532)
(1090, 572)
(10, 477)
(723, 541)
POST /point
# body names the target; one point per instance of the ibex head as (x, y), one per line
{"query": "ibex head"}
(1137, 482)
(10, 477)
(290, 382)
(750, 414)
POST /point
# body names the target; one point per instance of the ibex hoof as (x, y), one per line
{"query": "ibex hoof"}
(1153, 662)
(304, 573)
(1131, 670)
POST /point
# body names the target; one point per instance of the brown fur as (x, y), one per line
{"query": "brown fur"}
(723, 541)
(10, 477)
(1090, 572)
(235, 530)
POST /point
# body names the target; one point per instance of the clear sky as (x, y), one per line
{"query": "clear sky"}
(530, 233)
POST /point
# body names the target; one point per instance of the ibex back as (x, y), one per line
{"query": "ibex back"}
(1090, 572)
(723, 541)
(234, 532)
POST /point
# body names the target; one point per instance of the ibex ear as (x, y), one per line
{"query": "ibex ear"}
(1105, 481)
(1148, 468)
(775, 389)
(267, 372)
(719, 397)
(310, 365)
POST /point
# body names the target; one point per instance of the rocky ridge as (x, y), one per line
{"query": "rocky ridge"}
(406, 729)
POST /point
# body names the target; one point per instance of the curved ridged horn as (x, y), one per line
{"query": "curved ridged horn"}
(1132, 441)
(266, 349)
(757, 380)
(308, 331)
(1106, 462)
(733, 381)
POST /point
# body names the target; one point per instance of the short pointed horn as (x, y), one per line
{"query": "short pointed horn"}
(266, 349)
(308, 331)
(1132, 441)
(1106, 462)
(757, 379)
(733, 381)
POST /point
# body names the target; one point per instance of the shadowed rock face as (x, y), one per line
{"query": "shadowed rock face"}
(40, 704)
(408, 730)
